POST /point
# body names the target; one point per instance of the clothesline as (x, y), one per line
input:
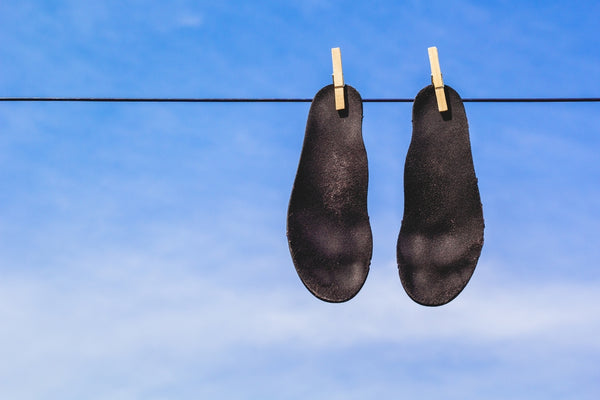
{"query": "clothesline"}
(284, 100)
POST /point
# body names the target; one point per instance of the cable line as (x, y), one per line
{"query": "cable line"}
(284, 100)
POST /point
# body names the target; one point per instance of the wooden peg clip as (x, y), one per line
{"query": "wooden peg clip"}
(436, 79)
(338, 78)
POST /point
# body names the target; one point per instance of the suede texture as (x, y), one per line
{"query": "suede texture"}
(328, 226)
(441, 237)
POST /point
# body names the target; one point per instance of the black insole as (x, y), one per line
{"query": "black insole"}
(328, 226)
(442, 230)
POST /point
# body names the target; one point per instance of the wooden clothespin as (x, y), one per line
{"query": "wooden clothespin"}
(436, 79)
(338, 78)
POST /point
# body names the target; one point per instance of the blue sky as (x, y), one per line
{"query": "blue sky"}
(142, 246)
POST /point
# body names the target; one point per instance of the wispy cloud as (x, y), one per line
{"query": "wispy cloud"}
(190, 20)
(134, 313)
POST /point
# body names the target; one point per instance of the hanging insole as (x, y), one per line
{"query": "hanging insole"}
(442, 230)
(328, 226)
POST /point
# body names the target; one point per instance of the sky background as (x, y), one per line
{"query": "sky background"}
(142, 246)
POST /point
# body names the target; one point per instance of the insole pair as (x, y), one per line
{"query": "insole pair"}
(328, 226)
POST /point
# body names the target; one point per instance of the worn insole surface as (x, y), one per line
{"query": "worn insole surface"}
(328, 226)
(442, 230)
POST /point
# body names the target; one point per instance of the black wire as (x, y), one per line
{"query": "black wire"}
(156, 100)
(536, 100)
(282, 100)
(503, 100)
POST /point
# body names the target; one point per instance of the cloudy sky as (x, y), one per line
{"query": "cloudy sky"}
(142, 246)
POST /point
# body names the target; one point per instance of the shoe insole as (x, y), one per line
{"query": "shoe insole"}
(328, 226)
(442, 229)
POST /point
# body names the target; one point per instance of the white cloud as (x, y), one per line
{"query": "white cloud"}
(190, 21)
(135, 315)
